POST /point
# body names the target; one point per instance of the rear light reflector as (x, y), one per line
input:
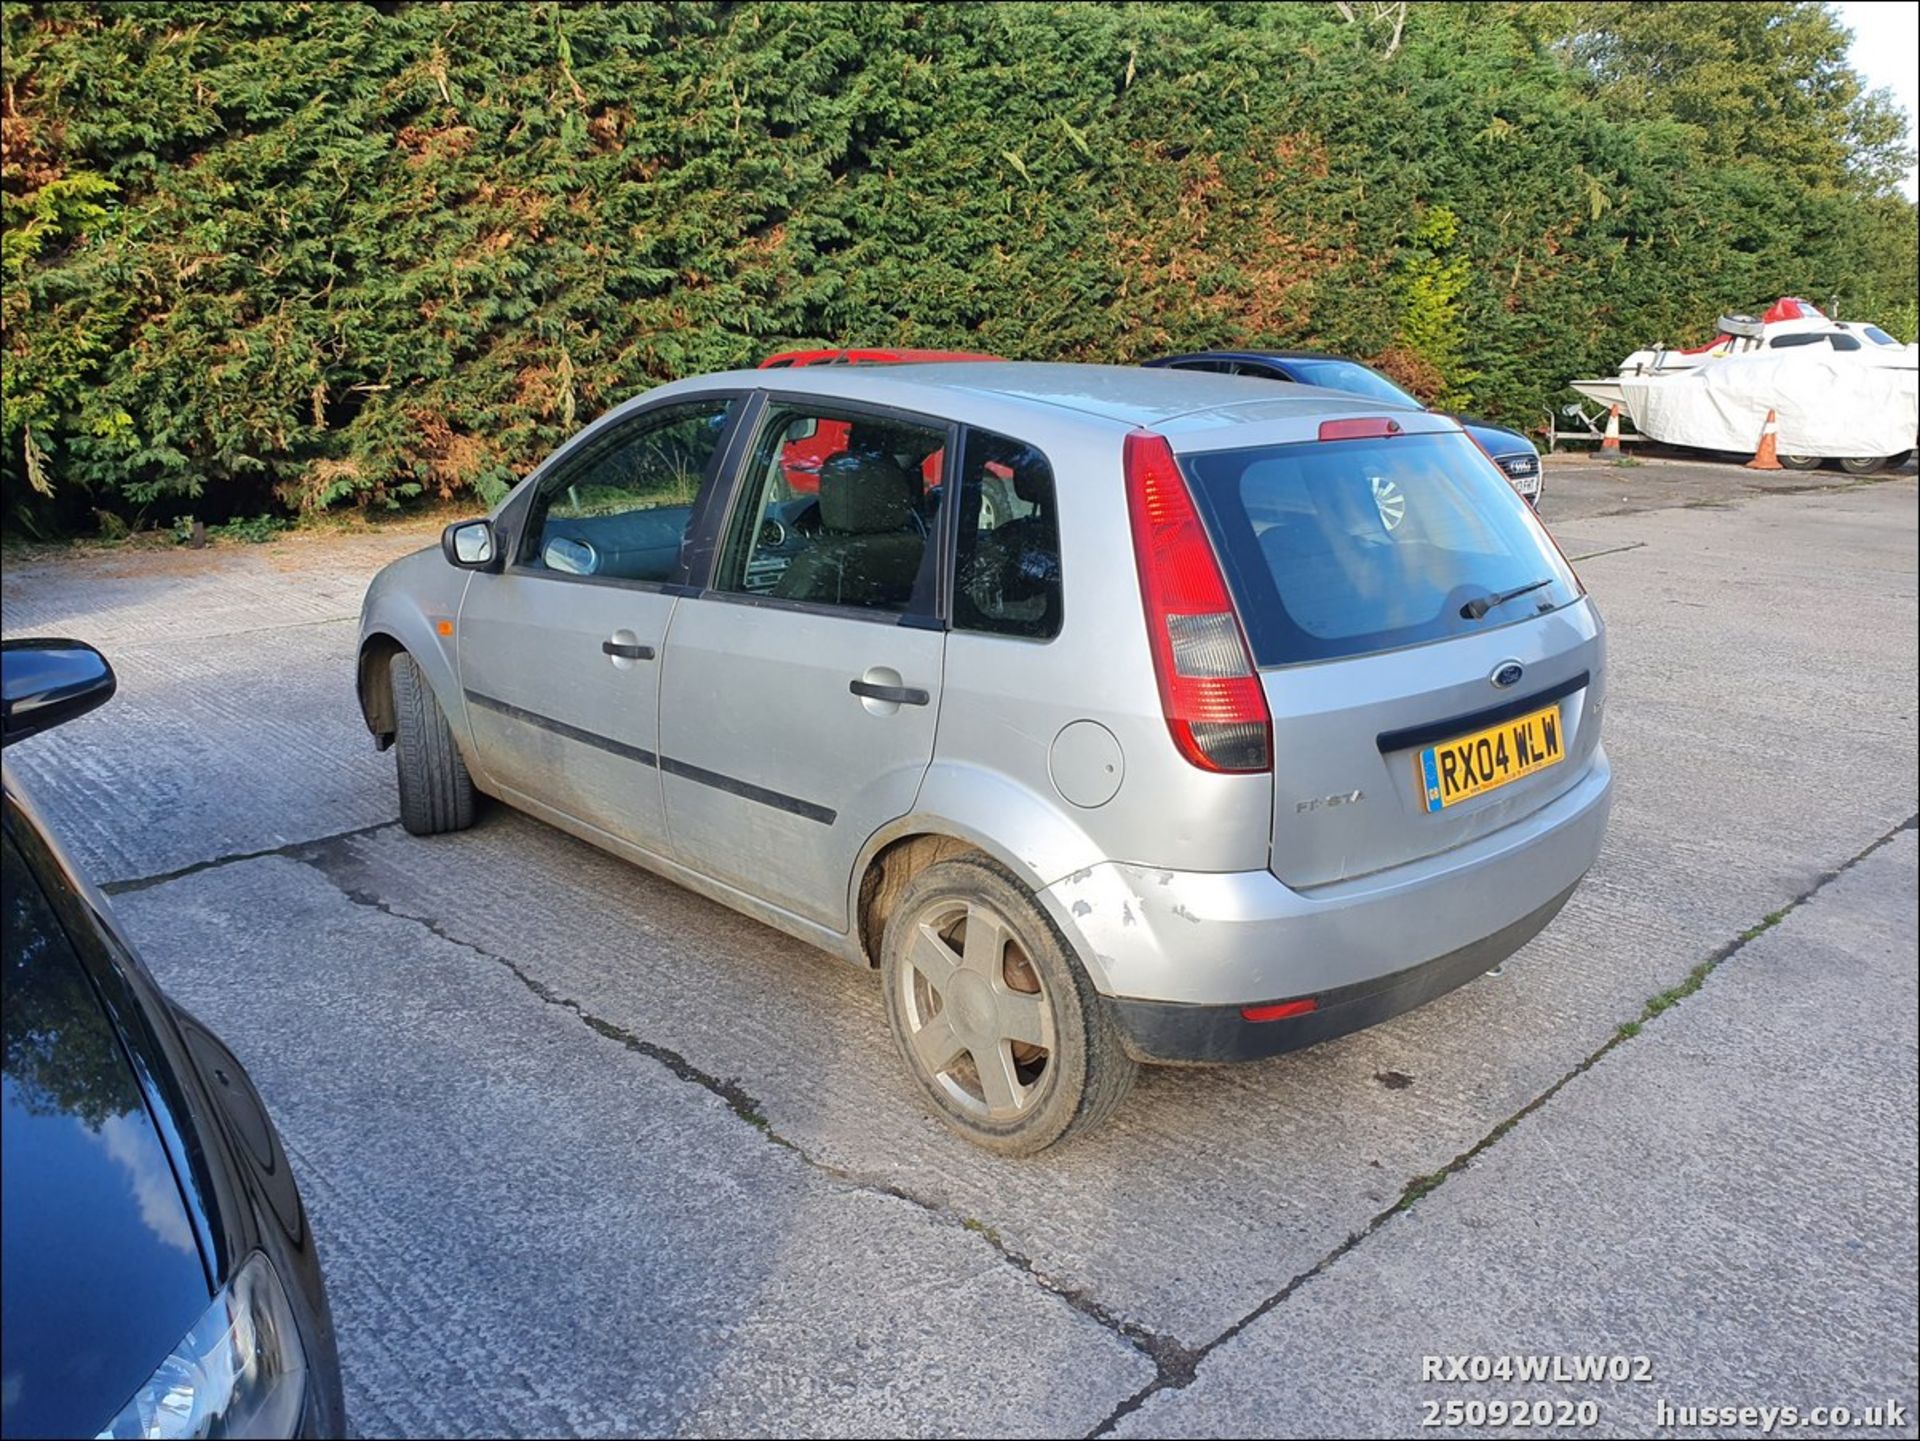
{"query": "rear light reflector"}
(1279, 1010)
(1209, 691)
(1362, 428)
(1207, 646)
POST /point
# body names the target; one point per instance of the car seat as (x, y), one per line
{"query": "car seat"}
(870, 543)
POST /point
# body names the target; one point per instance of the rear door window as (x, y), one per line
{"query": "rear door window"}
(1348, 547)
(839, 521)
(1007, 567)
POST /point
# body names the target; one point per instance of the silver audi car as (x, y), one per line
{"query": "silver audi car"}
(1114, 715)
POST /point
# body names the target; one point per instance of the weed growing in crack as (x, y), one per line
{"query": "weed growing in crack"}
(981, 1228)
(1767, 922)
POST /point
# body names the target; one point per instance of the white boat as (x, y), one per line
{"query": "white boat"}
(1840, 390)
(1610, 392)
(1738, 335)
(1788, 324)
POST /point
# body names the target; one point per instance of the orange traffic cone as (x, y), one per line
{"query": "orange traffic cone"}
(1610, 442)
(1767, 457)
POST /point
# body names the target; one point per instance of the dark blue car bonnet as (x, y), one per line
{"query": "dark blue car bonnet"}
(103, 1272)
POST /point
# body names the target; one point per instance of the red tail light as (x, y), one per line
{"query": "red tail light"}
(1208, 687)
(1280, 1010)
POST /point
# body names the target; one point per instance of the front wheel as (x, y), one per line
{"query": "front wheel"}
(1867, 465)
(436, 793)
(994, 1016)
(1800, 462)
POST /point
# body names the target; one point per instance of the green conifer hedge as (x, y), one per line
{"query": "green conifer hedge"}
(301, 255)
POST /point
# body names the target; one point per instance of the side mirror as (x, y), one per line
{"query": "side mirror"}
(46, 682)
(469, 544)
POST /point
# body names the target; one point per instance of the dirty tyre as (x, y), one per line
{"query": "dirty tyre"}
(1800, 462)
(436, 793)
(1869, 465)
(993, 1015)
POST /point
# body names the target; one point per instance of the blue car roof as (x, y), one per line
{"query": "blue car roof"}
(1491, 437)
(1256, 355)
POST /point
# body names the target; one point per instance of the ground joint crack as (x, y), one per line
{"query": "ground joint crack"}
(1173, 1378)
(292, 850)
(1173, 1360)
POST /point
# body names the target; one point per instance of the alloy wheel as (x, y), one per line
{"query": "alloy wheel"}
(1389, 501)
(979, 1021)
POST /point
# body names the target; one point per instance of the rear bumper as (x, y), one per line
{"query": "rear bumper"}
(1243, 938)
(1167, 1031)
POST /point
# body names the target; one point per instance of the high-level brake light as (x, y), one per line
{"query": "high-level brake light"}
(1365, 427)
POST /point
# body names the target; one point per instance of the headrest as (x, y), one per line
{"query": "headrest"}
(1014, 462)
(1345, 504)
(865, 494)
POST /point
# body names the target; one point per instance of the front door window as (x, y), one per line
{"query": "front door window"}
(620, 509)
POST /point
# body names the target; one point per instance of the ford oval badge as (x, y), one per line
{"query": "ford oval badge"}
(1507, 673)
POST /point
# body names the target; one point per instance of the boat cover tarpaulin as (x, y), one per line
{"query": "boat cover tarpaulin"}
(1832, 406)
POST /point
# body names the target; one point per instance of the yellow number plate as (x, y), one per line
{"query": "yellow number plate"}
(1472, 765)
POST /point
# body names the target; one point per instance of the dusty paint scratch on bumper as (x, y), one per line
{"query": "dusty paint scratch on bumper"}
(1239, 938)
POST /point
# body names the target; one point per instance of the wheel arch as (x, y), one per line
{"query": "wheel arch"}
(962, 811)
(375, 686)
(385, 637)
(411, 605)
(895, 855)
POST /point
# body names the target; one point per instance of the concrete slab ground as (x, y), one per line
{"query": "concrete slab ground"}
(1655, 477)
(528, 1087)
(1728, 1194)
(533, 1224)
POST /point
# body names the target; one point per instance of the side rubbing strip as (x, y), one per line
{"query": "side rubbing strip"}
(1425, 735)
(561, 728)
(746, 790)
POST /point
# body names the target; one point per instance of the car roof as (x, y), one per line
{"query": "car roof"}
(1104, 397)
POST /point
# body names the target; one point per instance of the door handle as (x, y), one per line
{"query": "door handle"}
(626, 652)
(898, 694)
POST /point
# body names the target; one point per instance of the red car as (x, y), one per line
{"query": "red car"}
(802, 459)
(869, 357)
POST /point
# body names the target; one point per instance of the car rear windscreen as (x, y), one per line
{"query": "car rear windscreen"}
(1350, 376)
(1343, 548)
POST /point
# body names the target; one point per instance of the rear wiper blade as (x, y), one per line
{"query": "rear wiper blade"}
(1474, 609)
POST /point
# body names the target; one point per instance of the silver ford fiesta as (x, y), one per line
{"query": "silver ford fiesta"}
(1115, 715)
